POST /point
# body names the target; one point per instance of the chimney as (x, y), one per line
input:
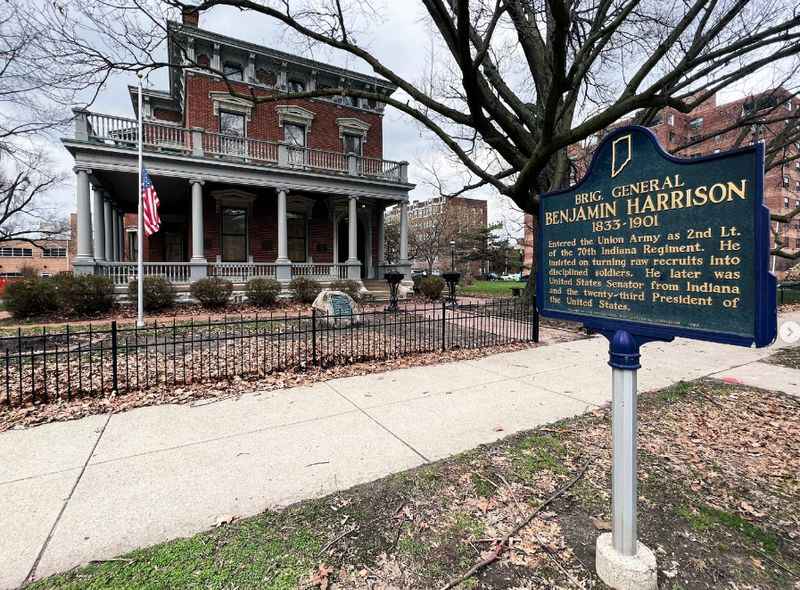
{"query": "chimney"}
(190, 16)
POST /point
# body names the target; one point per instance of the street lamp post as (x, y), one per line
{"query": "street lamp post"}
(452, 277)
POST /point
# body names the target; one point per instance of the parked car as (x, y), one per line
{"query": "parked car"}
(489, 276)
(510, 277)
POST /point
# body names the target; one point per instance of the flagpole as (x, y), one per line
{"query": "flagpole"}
(139, 226)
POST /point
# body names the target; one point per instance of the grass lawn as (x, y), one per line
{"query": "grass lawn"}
(719, 505)
(491, 288)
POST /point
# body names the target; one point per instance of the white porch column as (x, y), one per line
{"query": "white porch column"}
(404, 266)
(404, 232)
(121, 238)
(115, 234)
(84, 258)
(107, 230)
(283, 232)
(199, 268)
(381, 238)
(283, 271)
(99, 225)
(353, 263)
(352, 230)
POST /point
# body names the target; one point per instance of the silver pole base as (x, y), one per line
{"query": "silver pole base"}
(625, 572)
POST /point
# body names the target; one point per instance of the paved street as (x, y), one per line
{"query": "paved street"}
(100, 486)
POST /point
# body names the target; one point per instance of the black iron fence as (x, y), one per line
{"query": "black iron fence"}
(45, 366)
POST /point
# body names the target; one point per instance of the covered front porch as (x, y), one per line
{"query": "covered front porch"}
(235, 226)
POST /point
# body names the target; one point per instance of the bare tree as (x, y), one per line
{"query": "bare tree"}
(517, 81)
(33, 92)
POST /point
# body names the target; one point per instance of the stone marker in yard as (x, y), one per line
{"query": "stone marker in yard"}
(648, 247)
(336, 309)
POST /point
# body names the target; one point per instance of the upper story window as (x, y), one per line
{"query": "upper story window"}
(294, 134)
(233, 71)
(16, 252)
(231, 124)
(671, 119)
(296, 85)
(54, 252)
(696, 123)
(352, 144)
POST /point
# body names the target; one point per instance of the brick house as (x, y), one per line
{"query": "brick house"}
(294, 187)
(46, 257)
(467, 215)
(706, 127)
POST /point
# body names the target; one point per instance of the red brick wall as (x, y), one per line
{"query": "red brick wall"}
(320, 232)
(263, 124)
(264, 229)
(211, 239)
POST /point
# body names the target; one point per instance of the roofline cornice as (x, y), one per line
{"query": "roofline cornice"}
(176, 27)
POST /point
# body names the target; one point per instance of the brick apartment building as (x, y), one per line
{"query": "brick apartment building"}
(461, 215)
(287, 188)
(707, 129)
(47, 257)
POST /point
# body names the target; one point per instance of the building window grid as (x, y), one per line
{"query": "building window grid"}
(7, 252)
(54, 252)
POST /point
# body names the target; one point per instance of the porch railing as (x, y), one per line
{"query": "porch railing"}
(122, 131)
(251, 150)
(385, 169)
(162, 137)
(325, 271)
(303, 157)
(121, 273)
(241, 272)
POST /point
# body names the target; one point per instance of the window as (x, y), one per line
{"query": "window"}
(231, 124)
(785, 182)
(16, 252)
(10, 275)
(716, 151)
(54, 252)
(786, 202)
(696, 123)
(352, 144)
(294, 134)
(234, 234)
(796, 203)
(296, 237)
(671, 119)
(296, 85)
(233, 71)
(133, 246)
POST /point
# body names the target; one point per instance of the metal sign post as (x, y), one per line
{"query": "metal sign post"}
(623, 562)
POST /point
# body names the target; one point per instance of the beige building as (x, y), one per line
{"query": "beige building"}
(48, 257)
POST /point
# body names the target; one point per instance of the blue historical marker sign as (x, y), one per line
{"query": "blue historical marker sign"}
(659, 246)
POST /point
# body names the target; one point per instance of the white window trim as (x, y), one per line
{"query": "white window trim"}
(294, 114)
(232, 104)
(352, 126)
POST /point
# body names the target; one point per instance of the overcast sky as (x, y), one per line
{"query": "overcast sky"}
(400, 39)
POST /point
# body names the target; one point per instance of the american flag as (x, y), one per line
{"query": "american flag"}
(150, 219)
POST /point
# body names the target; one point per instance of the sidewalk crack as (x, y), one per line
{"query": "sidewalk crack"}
(32, 573)
(376, 421)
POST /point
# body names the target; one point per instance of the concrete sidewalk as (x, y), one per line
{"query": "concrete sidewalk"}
(100, 486)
